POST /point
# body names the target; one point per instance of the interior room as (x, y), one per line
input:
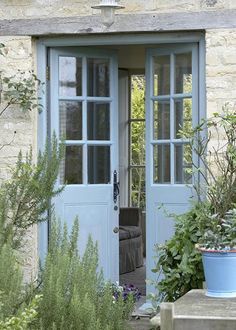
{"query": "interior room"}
(132, 231)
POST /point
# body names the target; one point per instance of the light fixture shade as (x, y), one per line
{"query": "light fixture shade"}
(108, 4)
(108, 8)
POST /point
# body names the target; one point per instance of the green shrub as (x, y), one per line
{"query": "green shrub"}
(24, 319)
(10, 282)
(15, 313)
(178, 263)
(74, 294)
(26, 197)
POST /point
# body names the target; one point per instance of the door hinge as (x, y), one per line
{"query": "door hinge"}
(48, 73)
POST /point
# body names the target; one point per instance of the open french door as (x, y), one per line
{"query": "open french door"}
(171, 104)
(84, 113)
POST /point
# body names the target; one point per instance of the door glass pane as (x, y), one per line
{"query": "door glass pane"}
(98, 77)
(161, 162)
(161, 75)
(70, 120)
(183, 73)
(183, 116)
(137, 187)
(137, 137)
(98, 121)
(183, 163)
(161, 120)
(70, 76)
(98, 164)
(71, 166)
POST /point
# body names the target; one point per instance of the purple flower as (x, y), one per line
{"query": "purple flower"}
(126, 291)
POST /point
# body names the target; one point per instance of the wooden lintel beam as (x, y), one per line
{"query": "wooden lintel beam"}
(150, 22)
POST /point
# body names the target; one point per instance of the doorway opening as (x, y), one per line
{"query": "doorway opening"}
(132, 140)
(132, 236)
(132, 167)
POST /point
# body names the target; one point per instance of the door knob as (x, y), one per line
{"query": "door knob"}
(116, 230)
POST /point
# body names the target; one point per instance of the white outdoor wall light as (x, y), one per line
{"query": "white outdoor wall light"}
(108, 8)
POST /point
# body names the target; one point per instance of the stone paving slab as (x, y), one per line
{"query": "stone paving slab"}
(196, 303)
(196, 311)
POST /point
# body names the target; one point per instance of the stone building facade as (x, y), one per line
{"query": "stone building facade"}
(220, 64)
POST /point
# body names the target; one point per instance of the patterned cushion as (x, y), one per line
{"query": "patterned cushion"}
(127, 232)
(123, 234)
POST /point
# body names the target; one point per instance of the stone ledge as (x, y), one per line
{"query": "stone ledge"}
(150, 22)
(195, 311)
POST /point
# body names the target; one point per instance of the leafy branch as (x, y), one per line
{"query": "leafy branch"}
(18, 91)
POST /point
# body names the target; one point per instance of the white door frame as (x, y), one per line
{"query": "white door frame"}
(102, 40)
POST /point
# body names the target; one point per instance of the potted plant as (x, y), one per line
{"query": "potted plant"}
(218, 248)
(214, 142)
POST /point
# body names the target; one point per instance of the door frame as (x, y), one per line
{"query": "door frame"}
(156, 38)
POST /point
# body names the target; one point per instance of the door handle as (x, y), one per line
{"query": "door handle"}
(116, 187)
(116, 230)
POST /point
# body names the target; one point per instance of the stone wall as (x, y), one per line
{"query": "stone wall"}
(50, 8)
(220, 69)
(18, 55)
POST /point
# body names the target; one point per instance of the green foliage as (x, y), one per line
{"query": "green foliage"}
(74, 295)
(10, 281)
(178, 263)
(25, 198)
(24, 319)
(138, 142)
(214, 142)
(21, 89)
(221, 234)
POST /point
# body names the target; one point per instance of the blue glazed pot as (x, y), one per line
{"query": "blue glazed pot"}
(220, 273)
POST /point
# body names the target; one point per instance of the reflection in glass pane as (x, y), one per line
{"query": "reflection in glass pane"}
(70, 76)
(98, 121)
(70, 120)
(183, 73)
(183, 116)
(137, 97)
(161, 120)
(137, 187)
(137, 138)
(161, 75)
(161, 162)
(98, 164)
(183, 164)
(98, 77)
(71, 166)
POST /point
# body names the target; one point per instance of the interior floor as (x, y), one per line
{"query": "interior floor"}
(137, 278)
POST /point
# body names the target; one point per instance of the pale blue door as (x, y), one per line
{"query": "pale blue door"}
(83, 111)
(171, 104)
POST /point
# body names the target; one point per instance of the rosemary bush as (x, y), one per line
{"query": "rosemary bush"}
(25, 198)
(74, 293)
(11, 286)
